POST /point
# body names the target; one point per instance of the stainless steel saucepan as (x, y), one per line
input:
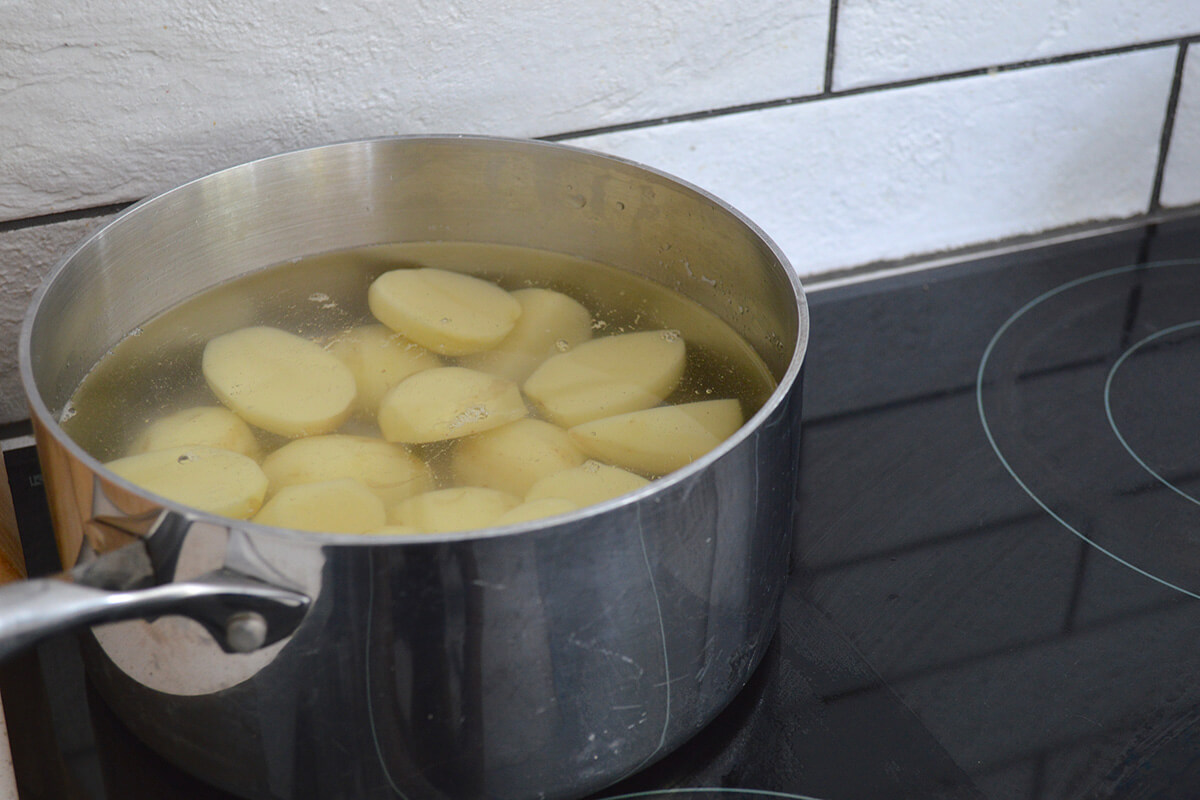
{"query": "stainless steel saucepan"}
(545, 660)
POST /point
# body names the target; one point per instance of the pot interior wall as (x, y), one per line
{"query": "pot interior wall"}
(350, 195)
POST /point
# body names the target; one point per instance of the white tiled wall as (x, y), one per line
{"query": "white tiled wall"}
(874, 176)
(882, 41)
(1181, 178)
(25, 255)
(113, 101)
(853, 131)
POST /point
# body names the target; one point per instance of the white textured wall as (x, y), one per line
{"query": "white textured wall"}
(932, 124)
(893, 40)
(1181, 179)
(866, 177)
(116, 100)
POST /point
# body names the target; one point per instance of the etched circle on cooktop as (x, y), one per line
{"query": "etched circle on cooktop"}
(710, 793)
(1154, 410)
(1090, 396)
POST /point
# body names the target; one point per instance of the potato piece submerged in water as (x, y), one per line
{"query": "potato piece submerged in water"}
(659, 440)
(278, 381)
(217, 481)
(448, 312)
(338, 506)
(379, 359)
(608, 376)
(388, 470)
(461, 508)
(550, 323)
(446, 403)
(396, 530)
(536, 509)
(213, 426)
(590, 482)
(515, 456)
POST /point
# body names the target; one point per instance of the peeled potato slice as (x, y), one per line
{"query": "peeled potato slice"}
(395, 530)
(550, 323)
(590, 482)
(388, 470)
(338, 506)
(462, 508)
(446, 403)
(213, 426)
(608, 376)
(379, 359)
(515, 456)
(659, 440)
(447, 312)
(536, 509)
(217, 481)
(278, 381)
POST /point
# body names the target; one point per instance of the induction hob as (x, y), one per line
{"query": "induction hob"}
(996, 572)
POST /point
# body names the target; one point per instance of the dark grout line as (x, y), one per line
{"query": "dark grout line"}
(1146, 243)
(1133, 302)
(1037, 789)
(1009, 649)
(63, 216)
(1078, 585)
(829, 93)
(947, 393)
(688, 117)
(830, 280)
(998, 527)
(970, 388)
(1068, 745)
(15, 429)
(830, 45)
(1164, 144)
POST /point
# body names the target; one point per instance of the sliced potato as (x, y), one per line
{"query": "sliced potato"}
(379, 359)
(608, 376)
(659, 440)
(515, 456)
(278, 381)
(447, 403)
(550, 323)
(536, 509)
(213, 480)
(396, 530)
(448, 312)
(387, 469)
(214, 426)
(591, 482)
(461, 508)
(337, 506)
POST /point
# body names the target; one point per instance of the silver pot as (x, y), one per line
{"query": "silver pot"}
(542, 660)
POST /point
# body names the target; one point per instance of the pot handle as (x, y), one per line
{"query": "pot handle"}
(241, 613)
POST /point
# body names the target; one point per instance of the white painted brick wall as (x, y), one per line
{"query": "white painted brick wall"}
(871, 177)
(881, 41)
(107, 103)
(1181, 179)
(25, 256)
(113, 101)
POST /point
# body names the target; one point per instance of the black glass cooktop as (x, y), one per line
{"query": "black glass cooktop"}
(996, 576)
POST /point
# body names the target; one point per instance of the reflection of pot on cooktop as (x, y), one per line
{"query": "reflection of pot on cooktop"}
(1090, 394)
(943, 634)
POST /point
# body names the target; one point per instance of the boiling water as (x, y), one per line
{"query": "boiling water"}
(155, 370)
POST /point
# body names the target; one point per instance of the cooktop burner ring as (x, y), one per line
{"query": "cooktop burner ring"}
(1151, 339)
(1054, 494)
(723, 792)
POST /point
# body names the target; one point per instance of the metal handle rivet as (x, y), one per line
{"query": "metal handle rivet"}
(245, 631)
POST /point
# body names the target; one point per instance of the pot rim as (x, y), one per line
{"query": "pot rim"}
(41, 413)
